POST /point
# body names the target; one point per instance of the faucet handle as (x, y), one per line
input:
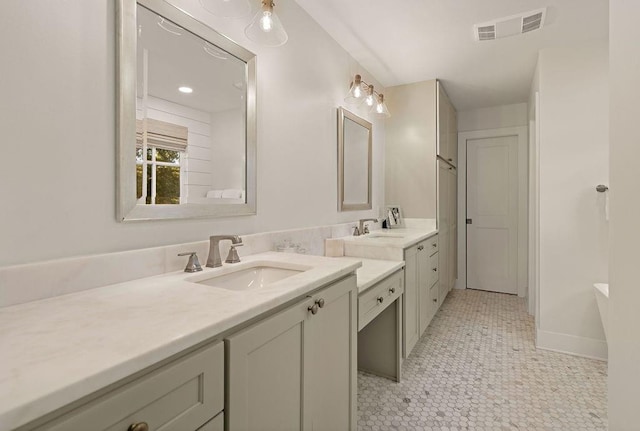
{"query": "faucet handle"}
(233, 257)
(366, 229)
(356, 231)
(193, 265)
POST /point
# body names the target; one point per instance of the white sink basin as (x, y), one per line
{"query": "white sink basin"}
(255, 277)
(383, 235)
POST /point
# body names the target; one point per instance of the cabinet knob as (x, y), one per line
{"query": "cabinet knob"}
(320, 302)
(380, 299)
(434, 245)
(435, 299)
(392, 290)
(435, 269)
(140, 426)
(421, 247)
(313, 308)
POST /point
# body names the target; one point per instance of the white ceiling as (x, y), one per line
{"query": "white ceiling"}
(406, 41)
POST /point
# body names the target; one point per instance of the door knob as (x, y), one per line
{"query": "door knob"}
(320, 302)
(392, 290)
(380, 299)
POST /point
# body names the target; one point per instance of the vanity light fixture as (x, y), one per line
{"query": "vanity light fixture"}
(265, 27)
(227, 8)
(362, 93)
(185, 90)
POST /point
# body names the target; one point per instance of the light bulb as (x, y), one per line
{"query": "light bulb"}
(357, 91)
(379, 108)
(266, 23)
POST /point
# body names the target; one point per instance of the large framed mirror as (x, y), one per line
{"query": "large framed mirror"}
(354, 162)
(186, 124)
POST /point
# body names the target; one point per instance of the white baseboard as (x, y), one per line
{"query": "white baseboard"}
(572, 345)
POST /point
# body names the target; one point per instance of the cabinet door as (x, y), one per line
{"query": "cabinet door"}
(424, 283)
(452, 124)
(411, 325)
(444, 225)
(442, 120)
(265, 373)
(330, 338)
(453, 230)
(297, 370)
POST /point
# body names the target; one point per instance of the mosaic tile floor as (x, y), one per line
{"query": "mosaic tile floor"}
(476, 368)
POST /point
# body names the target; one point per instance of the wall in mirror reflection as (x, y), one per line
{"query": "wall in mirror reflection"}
(191, 117)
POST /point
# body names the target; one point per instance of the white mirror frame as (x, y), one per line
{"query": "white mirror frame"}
(128, 208)
(342, 206)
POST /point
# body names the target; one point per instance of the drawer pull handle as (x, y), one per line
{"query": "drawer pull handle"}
(313, 308)
(320, 302)
(420, 247)
(392, 290)
(140, 426)
(380, 299)
(435, 269)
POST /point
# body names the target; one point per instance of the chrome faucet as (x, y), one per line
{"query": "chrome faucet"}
(214, 261)
(363, 229)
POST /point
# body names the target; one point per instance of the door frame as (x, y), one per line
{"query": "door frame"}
(523, 195)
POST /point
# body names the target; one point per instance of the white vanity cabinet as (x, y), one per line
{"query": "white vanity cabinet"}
(421, 263)
(186, 394)
(296, 370)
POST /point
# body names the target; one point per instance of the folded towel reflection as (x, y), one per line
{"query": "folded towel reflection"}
(232, 193)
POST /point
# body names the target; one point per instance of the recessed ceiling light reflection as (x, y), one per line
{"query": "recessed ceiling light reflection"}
(185, 90)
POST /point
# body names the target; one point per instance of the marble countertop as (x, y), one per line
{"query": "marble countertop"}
(396, 238)
(58, 350)
(373, 270)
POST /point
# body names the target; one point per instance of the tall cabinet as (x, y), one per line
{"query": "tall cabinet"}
(420, 166)
(447, 156)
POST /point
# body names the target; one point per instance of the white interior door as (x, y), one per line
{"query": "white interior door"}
(492, 214)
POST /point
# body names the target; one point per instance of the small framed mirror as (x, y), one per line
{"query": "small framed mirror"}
(186, 117)
(354, 162)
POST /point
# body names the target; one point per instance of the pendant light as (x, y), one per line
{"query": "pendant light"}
(379, 109)
(227, 8)
(356, 94)
(370, 98)
(265, 27)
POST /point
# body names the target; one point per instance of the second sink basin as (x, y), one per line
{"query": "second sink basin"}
(383, 235)
(255, 277)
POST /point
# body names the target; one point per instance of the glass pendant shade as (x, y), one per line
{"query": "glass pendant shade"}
(370, 98)
(356, 94)
(265, 27)
(380, 109)
(227, 8)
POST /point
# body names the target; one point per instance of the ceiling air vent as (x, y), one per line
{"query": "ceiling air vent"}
(510, 25)
(487, 32)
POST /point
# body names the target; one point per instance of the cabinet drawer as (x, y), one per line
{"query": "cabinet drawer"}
(378, 297)
(432, 244)
(433, 268)
(182, 395)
